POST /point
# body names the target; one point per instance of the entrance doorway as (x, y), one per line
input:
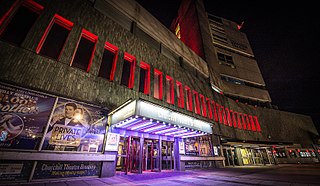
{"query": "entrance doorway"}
(167, 162)
(128, 159)
(151, 155)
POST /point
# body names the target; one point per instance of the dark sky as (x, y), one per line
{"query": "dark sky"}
(285, 39)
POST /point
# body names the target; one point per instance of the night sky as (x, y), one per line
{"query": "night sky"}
(285, 40)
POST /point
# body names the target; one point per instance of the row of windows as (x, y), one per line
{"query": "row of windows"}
(52, 44)
(240, 82)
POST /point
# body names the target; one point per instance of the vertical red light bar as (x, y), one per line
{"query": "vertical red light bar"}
(170, 91)
(247, 121)
(158, 94)
(215, 113)
(224, 116)
(241, 118)
(196, 102)
(115, 50)
(188, 98)
(203, 106)
(257, 123)
(181, 95)
(131, 59)
(147, 78)
(253, 127)
(209, 108)
(234, 119)
(229, 120)
(219, 113)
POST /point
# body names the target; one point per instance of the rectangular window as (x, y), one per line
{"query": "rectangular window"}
(17, 27)
(109, 61)
(180, 95)
(169, 90)
(54, 38)
(84, 53)
(144, 83)
(219, 113)
(128, 68)
(4, 13)
(215, 113)
(234, 116)
(243, 122)
(257, 123)
(253, 127)
(225, 59)
(203, 106)
(229, 121)
(247, 121)
(224, 116)
(209, 108)
(196, 102)
(157, 84)
(188, 98)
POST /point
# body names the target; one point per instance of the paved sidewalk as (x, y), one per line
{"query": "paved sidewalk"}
(264, 175)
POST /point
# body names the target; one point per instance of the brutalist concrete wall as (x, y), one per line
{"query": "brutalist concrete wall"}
(20, 65)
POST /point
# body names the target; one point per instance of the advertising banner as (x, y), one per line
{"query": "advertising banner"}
(112, 142)
(23, 117)
(76, 126)
(62, 169)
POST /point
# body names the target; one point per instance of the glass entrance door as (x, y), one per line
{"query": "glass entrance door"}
(167, 155)
(128, 155)
(151, 155)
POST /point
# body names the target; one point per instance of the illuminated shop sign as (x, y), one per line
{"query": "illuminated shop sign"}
(165, 115)
(124, 113)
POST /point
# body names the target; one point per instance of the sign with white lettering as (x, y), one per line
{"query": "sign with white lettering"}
(124, 113)
(165, 115)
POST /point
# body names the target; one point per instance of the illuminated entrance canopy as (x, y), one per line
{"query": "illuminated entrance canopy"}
(147, 117)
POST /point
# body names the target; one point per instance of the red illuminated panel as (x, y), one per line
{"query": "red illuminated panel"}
(229, 120)
(84, 53)
(144, 84)
(219, 113)
(247, 121)
(215, 112)
(128, 69)
(54, 38)
(180, 95)
(253, 127)
(209, 108)
(224, 116)
(241, 118)
(257, 123)
(109, 61)
(196, 102)
(234, 118)
(203, 106)
(157, 84)
(188, 98)
(169, 90)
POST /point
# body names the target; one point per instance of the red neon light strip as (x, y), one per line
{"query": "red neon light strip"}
(257, 123)
(244, 126)
(159, 73)
(253, 127)
(6, 15)
(147, 78)
(131, 59)
(247, 121)
(115, 50)
(203, 106)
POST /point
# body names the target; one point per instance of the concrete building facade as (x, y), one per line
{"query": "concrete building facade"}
(89, 88)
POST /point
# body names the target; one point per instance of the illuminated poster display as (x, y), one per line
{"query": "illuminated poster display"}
(112, 142)
(76, 126)
(23, 117)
